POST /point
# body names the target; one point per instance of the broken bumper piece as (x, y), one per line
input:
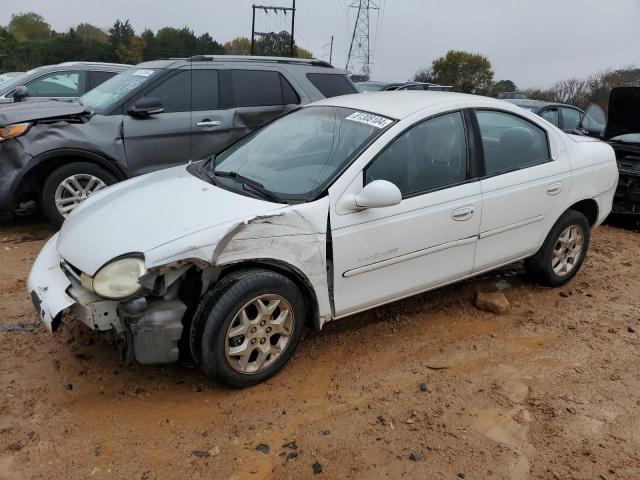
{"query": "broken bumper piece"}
(149, 328)
(48, 285)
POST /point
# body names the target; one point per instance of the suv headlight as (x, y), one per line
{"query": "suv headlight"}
(15, 130)
(119, 279)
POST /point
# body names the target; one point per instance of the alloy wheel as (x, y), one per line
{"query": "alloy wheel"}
(260, 331)
(567, 251)
(74, 190)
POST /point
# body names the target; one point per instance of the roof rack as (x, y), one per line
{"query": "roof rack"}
(252, 58)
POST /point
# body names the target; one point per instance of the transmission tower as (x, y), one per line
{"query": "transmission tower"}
(360, 49)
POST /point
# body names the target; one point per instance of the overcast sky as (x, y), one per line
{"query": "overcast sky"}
(532, 42)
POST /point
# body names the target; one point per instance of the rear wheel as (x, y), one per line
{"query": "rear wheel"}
(68, 186)
(563, 251)
(248, 327)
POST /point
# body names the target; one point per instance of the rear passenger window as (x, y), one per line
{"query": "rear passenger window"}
(254, 88)
(551, 116)
(429, 156)
(174, 93)
(570, 118)
(97, 77)
(510, 142)
(331, 84)
(204, 85)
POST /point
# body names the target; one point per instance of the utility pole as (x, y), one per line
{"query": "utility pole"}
(266, 9)
(293, 22)
(359, 50)
(331, 50)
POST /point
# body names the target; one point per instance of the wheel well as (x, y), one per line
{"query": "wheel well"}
(310, 300)
(589, 208)
(30, 186)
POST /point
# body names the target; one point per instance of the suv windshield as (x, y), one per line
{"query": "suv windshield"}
(13, 82)
(294, 157)
(116, 88)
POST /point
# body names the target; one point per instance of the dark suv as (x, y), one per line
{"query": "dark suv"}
(64, 81)
(155, 115)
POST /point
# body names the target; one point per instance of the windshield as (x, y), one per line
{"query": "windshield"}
(370, 87)
(294, 157)
(594, 118)
(9, 84)
(116, 88)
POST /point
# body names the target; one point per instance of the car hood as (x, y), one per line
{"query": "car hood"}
(150, 211)
(624, 112)
(17, 112)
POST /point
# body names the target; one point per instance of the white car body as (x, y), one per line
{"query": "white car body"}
(176, 220)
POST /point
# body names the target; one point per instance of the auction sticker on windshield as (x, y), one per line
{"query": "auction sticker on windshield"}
(369, 119)
(143, 73)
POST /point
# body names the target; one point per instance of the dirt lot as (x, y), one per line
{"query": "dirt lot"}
(550, 390)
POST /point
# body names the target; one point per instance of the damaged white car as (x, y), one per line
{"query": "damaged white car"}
(339, 207)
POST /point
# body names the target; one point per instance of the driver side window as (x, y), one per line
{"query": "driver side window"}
(428, 156)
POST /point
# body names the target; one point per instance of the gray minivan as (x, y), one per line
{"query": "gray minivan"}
(155, 115)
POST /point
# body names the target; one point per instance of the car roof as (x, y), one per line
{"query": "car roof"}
(522, 102)
(251, 59)
(92, 64)
(400, 104)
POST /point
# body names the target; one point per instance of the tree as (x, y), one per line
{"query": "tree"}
(130, 51)
(29, 26)
(206, 45)
(504, 86)
(90, 33)
(279, 45)
(238, 46)
(303, 53)
(120, 32)
(149, 40)
(466, 72)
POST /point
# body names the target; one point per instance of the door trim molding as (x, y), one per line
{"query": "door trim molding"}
(513, 226)
(408, 256)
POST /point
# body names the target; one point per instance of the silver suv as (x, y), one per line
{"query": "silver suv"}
(64, 81)
(155, 115)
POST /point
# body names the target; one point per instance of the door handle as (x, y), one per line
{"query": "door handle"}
(554, 188)
(463, 213)
(206, 123)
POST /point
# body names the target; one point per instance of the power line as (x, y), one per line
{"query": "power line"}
(360, 49)
(273, 35)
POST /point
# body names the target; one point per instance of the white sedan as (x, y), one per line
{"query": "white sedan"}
(339, 207)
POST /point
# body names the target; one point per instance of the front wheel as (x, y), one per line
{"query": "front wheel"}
(248, 327)
(562, 252)
(68, 186)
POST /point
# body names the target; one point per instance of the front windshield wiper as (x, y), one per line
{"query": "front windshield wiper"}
(257, 186)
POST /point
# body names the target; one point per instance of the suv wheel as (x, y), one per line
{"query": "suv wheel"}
(68, 186)
(248, 327)
(563, 251)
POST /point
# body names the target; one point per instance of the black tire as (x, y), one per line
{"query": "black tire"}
(217, 311)
(540, 266)
(56, 177)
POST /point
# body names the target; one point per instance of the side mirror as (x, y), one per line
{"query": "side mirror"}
(377, 194)
(146, 106)
(20, 94)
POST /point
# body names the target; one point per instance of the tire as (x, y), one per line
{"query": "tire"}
(220, 311)
(86, 172)
(541, 266)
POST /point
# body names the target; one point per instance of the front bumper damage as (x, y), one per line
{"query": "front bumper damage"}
(147, 329)
(627, 197)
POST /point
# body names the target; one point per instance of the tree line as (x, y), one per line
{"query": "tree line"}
(29, 41)
(473, 73)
